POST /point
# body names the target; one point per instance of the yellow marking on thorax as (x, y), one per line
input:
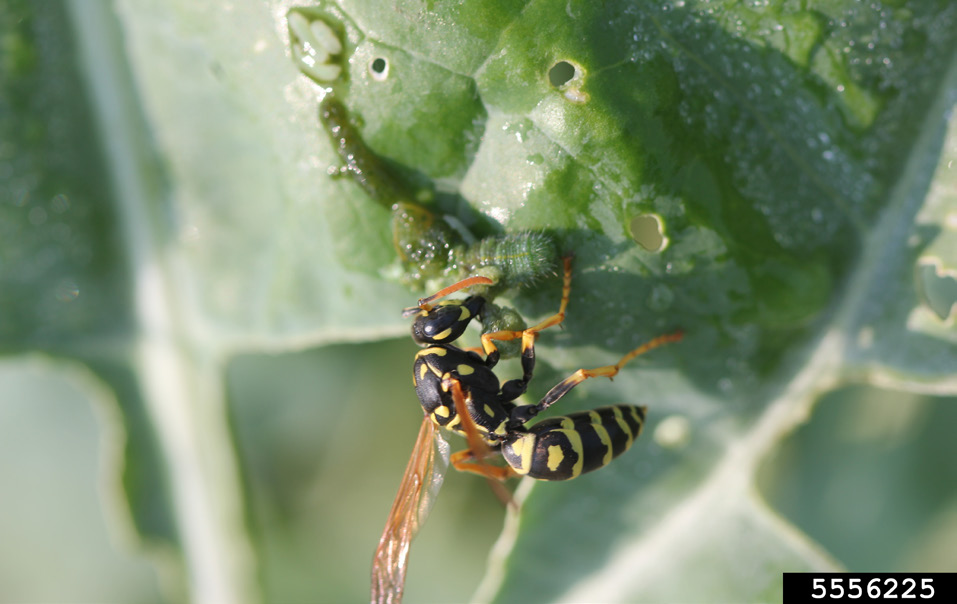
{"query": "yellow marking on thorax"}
(442, 334)
(439, 352)
(441, 411)
(465, 369)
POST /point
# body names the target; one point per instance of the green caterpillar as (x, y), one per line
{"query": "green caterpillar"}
(427, 245)
(515, 259)
(429, 248)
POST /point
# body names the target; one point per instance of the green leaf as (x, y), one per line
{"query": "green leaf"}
(774, 179)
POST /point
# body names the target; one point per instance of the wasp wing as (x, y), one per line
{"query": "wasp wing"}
(420, 485)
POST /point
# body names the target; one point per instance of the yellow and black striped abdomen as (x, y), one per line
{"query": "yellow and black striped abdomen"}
(562, 448)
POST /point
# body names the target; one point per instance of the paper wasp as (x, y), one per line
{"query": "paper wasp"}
(459, 392)
(457, 387)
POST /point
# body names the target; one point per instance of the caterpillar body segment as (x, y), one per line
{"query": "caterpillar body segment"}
(512, 260)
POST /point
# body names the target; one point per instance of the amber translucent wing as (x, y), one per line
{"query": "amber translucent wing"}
(420, 484)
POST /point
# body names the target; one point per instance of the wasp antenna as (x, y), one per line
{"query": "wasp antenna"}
(426, 303)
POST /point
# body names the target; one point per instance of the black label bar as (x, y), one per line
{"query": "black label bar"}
(870, 587)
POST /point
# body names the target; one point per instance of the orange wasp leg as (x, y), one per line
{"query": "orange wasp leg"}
(462, 461)
(531, 334)
(608, 371)
(478, 450)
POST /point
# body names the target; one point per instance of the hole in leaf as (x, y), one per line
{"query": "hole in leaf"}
(647, 232)
(561, 73)
(937, 287)
(379, 69)
(314, 44)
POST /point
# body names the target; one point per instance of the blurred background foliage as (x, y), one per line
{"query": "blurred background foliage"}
(204, 391)
(869, 461)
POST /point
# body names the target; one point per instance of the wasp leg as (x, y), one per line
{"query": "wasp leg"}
(494, 475)
(522, 414)
(478, 450)
(515, 388)
(463, 462)
(528, 335)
